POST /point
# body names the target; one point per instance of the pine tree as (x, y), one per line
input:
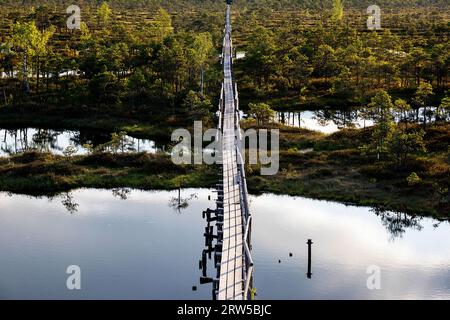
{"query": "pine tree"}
(104, 13)
(338, 10)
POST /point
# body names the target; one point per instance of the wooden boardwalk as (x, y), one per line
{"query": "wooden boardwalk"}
(235, 271)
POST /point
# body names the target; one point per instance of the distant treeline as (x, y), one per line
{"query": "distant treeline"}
(300, 59)
(111, 65)
(156, 61)
(305, 4)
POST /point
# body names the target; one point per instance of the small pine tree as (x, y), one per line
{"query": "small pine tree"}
(262, 112)
(338, 10)
(104, 13)
(162, 25)
(381, 107)
(413, 179)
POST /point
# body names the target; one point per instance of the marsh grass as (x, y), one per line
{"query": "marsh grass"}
(339, 173)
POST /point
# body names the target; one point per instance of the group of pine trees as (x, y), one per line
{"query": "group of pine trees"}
(132, 60)
(107, 65)
(341, 60)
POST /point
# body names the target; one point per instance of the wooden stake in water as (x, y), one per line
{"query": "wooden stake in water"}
(309, 274)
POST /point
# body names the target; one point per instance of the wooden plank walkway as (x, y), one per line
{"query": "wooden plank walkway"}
(233, 266)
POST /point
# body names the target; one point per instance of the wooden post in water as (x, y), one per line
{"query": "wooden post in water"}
(309, 274)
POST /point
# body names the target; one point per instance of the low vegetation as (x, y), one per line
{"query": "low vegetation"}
(46, 174)
(332, 167)
(312, 164)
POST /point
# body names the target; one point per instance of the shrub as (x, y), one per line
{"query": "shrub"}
(439, 170)
(345, 154)
(401, 144)
(261, 112)
(321, 173)
(448, 154)
(413, 179)
(30, 156)
(377, 171)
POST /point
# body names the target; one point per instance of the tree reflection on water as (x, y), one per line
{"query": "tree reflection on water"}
(396, 223)
(179, 203)
(69, 203)
(13, 141)
(121, 193)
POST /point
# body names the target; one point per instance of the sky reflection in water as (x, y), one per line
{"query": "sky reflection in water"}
(145, 248)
